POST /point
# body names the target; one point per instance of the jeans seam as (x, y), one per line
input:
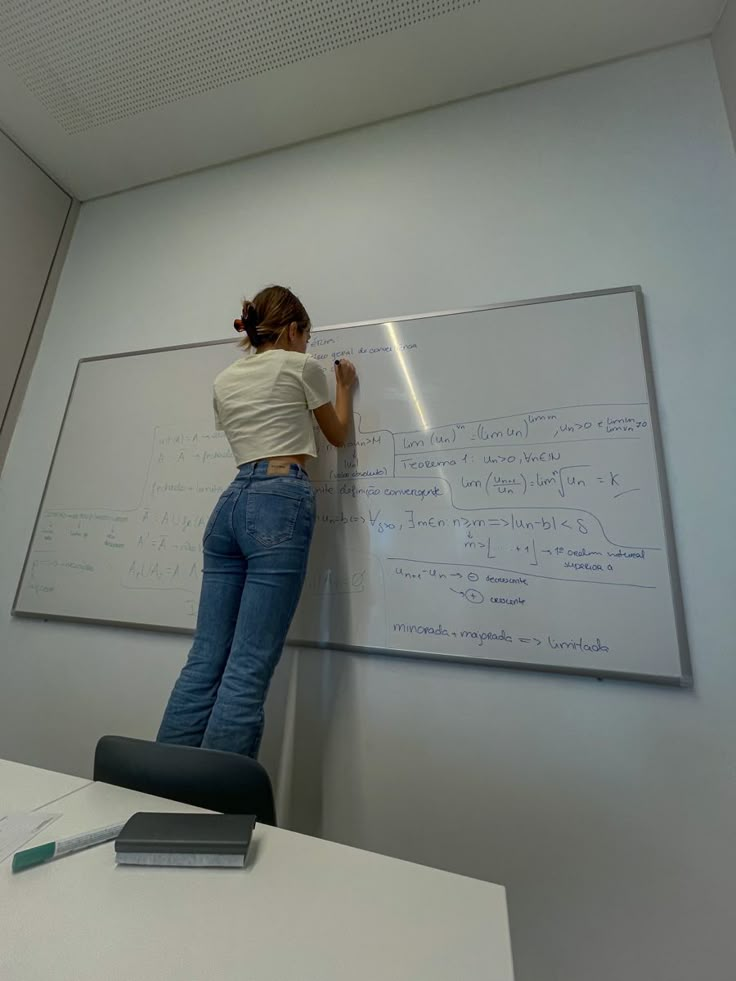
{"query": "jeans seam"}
(232, 513)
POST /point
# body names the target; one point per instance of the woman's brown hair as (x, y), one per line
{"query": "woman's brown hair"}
(269, 314)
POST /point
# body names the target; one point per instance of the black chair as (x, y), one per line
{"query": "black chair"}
(208, 778)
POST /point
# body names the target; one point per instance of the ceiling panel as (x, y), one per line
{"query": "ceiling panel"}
(94, 63)
(108, 94)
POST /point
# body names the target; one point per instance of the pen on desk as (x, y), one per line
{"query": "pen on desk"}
(39, 854)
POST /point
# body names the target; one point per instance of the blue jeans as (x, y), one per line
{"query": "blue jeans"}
(256, 545)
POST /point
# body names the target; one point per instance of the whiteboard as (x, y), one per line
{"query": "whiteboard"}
(502, 500)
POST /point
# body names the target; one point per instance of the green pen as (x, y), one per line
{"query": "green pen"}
(39, 854)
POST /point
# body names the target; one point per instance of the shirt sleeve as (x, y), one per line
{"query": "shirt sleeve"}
(315, 384)
(216, 410)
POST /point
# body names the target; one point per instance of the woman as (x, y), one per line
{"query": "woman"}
(257, 539)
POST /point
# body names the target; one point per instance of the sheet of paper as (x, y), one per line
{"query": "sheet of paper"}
(16, 829)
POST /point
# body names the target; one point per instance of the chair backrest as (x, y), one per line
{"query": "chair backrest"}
(209, 778)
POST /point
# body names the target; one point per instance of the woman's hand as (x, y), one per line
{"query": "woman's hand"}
(345, 373)
(336, 420)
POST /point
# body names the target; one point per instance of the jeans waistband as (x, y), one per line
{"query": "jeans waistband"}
(260, 468)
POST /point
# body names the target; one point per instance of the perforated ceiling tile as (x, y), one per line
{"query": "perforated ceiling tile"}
(91, 62)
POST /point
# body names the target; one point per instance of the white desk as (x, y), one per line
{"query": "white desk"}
(303, 909)
(26, 788)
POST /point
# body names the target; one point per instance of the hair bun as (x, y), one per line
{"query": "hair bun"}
(249, 323)
(250, 315)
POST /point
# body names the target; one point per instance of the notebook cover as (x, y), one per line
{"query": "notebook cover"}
(210, 834)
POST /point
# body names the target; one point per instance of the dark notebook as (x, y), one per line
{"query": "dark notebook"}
(185, 839)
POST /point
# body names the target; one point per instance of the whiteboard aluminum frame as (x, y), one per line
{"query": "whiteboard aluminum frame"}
(683, 680)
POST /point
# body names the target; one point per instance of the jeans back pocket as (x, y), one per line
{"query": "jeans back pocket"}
(272, 513)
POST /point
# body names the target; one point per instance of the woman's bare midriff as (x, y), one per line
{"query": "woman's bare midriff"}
(300, 461)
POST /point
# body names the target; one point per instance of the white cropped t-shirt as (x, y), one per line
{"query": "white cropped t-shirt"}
(263, 404)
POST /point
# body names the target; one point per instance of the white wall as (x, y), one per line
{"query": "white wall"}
(33, 211)
(724, 49)
(606, 808)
